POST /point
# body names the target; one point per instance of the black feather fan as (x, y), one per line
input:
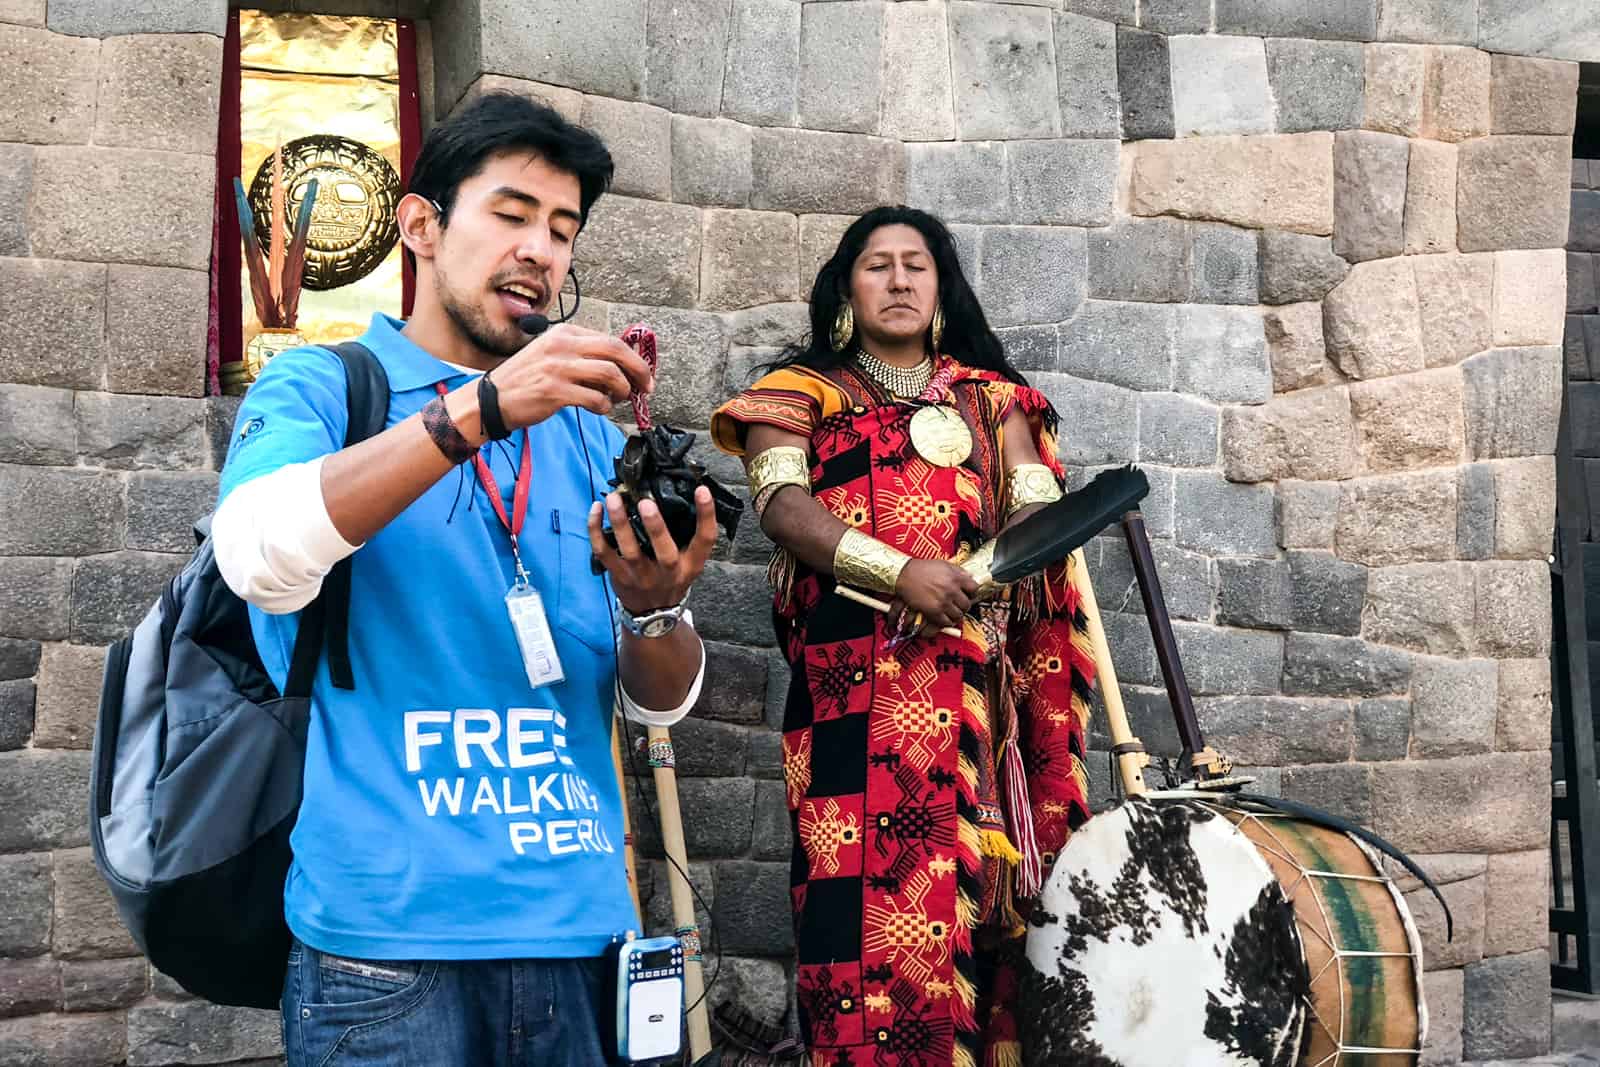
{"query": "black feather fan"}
(1054, 532)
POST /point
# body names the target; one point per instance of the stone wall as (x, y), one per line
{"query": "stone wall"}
(1300, 259)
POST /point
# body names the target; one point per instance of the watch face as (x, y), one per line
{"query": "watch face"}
(658, 627)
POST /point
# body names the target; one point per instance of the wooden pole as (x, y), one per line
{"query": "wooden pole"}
(627, 822)
(683, 917)
(1129, 752)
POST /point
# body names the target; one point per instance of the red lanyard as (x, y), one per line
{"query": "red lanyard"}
(519, 496)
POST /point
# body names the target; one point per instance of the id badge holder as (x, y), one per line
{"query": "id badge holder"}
(525, 607)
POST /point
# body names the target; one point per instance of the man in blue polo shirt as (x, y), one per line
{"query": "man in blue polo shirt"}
(458, 863)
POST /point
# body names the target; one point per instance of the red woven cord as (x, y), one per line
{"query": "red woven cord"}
(642, 340)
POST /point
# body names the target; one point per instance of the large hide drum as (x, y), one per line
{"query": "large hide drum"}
(1179, 932)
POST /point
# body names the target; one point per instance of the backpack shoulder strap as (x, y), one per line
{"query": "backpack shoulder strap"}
(325, 623)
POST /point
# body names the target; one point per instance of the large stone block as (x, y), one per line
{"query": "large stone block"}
(1465, 898)
(760, 81)
(1002, 64)
(772, 326)
(1175, 16)
(1283, 181)
(1370, 321)
(1220, 660)
(17, 699)
(1030, 348)
(221, 414)
(1217, 516)
(1465, 804)
(35, 597)
(156, 330)
(640, 139)
(1326, 594)
(29, 987)
(1122, 12)
(16, 183)
(1506, 1008)
(706, 749)
(687, 45)
(1383, 729)
(738, 684)
(1326, 665)
(1127, 344)
(1513, 399)
(1032, 274)
(111, 593)
(1306, 512)
(1517, 908)
(916, 62)
(90, 18)
(103, 985)
(1430, 207)
(744, 604)
(840, 173)
(1140, 259)
(1428, 607)
(1455, 97)
(688, 397)
(18, 658)
(1475, 511)
(1105, 429)
(1341, 789)
(1453, 706)
(840, 66)
(1223, 264)
(819, 240)
(1219, 85)
(1442, 990)
(1177, 431)
(37, 426)
(1455, 297)
(1144, 85)
(1188, 586)
(1511, 192)
(1308, 434)
(1513, 608)
(39, 345)
(1369, 194)
(1062, 182)
(748, 258)
(1254, 593)
(142, 432)
(86, 926)
(959, 182)
(750, 894)
(94, 204)
(1410, 421)
(25, 906)
(48, 83)
(1297, 267)
(1355, 20)
(1581, 292)
(207, 1032)
(1524, 282)
(64, 1041)
(1086, 75)
(1317, 85)
(1298, 352)
(765, 758)
(1395, 75)
(600, 51)
(60, 511)
(69, 695)
(771, 838)
(1222, 354)
(23, 12)
(43, 792)
(1524, 507)
(1277, 731)
(566, 102)
(611, 255)
(1574, 352)
(163, 508)
(1523, 717)
(1568, 31)
(160, 91)
(1533, 95)
(1398, 518)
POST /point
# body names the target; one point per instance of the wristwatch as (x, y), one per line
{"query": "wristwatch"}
(658, 623)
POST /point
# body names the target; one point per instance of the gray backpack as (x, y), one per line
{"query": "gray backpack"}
(198, 758)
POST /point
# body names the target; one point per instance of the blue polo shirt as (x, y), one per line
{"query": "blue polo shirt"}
(451, 810)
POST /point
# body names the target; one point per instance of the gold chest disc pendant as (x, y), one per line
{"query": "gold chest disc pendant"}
(940, 436)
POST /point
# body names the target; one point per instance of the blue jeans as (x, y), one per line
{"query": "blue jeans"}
(341, 1012)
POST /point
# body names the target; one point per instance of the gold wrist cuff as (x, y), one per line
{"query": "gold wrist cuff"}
(867, 563)
(1030, 483)
(774, 469)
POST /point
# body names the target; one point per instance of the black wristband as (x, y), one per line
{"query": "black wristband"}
(444, 433)
(494, 425)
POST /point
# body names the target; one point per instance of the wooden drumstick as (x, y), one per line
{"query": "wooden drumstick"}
(627, 822)
(882, 605)
(1129, 751)
(683, 917)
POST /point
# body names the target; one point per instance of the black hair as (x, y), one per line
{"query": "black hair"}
(457, 148)
(967, 335)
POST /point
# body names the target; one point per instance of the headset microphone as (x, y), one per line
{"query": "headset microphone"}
(536, 324)
(533, 325)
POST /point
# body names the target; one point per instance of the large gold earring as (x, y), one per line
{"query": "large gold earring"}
(844, 327)
(937, 327)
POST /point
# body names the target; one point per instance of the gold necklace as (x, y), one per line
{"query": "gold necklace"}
(899, 381)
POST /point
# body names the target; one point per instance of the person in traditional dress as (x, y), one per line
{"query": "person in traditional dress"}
(934, 725)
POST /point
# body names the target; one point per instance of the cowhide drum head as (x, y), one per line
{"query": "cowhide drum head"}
(1162, 939)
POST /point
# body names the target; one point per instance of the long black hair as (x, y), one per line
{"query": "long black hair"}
(967, 335)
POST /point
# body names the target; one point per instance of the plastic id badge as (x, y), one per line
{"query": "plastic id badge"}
(526, 608)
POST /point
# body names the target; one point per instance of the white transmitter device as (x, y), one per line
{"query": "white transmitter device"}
(648, 977)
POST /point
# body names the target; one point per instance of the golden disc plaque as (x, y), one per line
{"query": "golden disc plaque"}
(940, 436)
(353, 225)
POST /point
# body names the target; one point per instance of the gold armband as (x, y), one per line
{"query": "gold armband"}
(774, 469)
(868, 563)
(1030, 483)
